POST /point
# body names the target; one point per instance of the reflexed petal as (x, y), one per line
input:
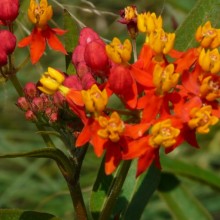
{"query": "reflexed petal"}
(53, 41)
(112, 157)
(146, 160)
(25, 41)
(37, 45)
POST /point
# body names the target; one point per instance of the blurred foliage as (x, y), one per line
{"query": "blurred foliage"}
(36, 183)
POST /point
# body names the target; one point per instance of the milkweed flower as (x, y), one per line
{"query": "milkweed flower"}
(39, 15)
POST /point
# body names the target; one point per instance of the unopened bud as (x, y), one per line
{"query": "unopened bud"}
(30, 116)
(37, 104)
(8, 10)
(30, 90)
(22, 103)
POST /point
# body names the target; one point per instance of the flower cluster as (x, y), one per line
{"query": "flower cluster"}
(165, 103)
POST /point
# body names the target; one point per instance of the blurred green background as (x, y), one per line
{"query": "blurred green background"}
(37, 183)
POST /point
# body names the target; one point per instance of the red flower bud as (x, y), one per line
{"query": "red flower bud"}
(53, 117)
(82, 69)
(9, 41)
(78, 55)
(3, 57)
(30, 116)
(58, 99)
(22, 103)
(8, 10)
(87, 35)
(30, 90)
(120, 80)
(37, 104)
(96, 57)
(73, 82)
(87, 81)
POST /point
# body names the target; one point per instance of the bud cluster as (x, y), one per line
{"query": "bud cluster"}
(39, 107)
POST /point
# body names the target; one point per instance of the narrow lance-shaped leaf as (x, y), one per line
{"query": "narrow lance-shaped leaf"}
(146, 185)
(182, 204)
(100, 191)
(203, 10)
(191, 171)
(71, 40)
(16, 214)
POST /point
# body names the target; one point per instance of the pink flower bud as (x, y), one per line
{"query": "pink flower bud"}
(30, 116)
(78, 55)
(53, 117)
(8, 10)
(82, 69)
(48, 112)
(37, 104)
(87, 35)
(58, 99)
(87, 81)
(96, 57)
(73, 82)
(9, 41)
(3, 57)
(120, 80)
(22, 103)
(45, 99)
(30, 90)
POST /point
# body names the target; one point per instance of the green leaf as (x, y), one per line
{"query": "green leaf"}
(16, 214)
(127, 191)
(146, 185)
(182, 204)
(203, 10)
(71, 40)
(191, 171)
(100, 191)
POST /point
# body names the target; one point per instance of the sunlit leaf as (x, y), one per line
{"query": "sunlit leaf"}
(71, 40)
(203, 10)
(181, 202)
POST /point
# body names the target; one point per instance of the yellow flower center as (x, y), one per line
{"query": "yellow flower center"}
(94, 99)
(118, 52)
(165, 79)
(112, 128)
(51, 81)
(130, 13)
(202, 119)
(161, 42)
(208, 36)
(210, 88)
(163, 134)
(39, 14)
(210, 60)
(148, 22)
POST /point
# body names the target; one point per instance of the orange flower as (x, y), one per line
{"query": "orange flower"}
(39, 15)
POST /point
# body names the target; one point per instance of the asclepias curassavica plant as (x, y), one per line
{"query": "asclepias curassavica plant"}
(167, 92)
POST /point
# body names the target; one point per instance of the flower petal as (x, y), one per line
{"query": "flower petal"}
(37, 45)
(53, 41)
(112, 157)
(25, 41)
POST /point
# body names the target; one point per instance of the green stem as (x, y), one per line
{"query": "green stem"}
(134, 46)
(115, 190)
(77, 198)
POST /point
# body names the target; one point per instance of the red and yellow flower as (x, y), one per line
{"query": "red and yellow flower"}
(39, 15)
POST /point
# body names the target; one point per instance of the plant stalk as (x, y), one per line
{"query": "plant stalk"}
(115, 190)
